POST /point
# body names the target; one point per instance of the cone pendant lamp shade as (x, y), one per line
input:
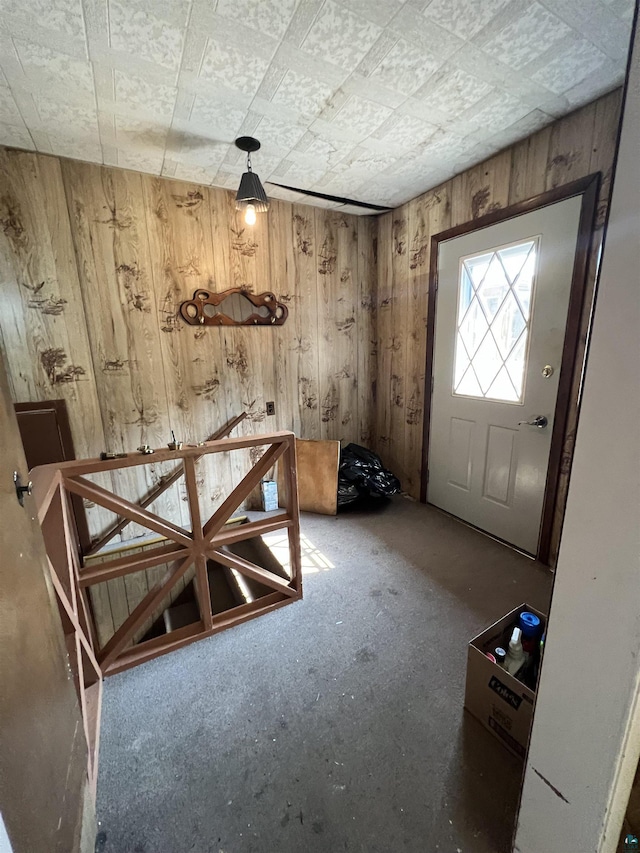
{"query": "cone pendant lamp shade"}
(250, 193)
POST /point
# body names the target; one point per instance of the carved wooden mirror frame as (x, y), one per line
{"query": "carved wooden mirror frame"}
(203, 309)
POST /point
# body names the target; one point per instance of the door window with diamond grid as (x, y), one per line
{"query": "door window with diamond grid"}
(494, 313)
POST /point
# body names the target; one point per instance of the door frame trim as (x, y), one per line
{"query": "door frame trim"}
(588, 187)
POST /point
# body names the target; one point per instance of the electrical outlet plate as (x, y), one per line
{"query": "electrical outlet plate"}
(271, 408)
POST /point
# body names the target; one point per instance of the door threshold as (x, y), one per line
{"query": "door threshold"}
(485, 533)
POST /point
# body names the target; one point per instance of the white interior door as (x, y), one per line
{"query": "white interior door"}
(501, 311)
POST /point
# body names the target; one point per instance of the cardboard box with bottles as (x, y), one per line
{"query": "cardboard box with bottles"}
(500, 701)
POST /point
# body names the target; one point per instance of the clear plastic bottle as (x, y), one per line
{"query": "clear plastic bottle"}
(515, 655)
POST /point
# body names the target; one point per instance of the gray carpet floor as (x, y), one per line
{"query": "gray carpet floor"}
(335, 723)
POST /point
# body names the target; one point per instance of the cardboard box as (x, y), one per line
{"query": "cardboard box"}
(498, 700)
(269, 492)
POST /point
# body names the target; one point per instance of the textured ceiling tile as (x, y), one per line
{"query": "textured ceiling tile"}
(76, 147)
(135, 93)
(270, 18)
(442, 144)
(168, 168)
(594, 21)
(340, 37)
(455, 91)
(106, 128)
(360, 116)
(183, 104)
(63, 15)
(57, 115)
(18, 137)
(520, 129)
(465, 18)
(193, 51)
(304, 176)
(406, 132)
(344, 186)
(425, 34)
(191, 89)
(333, 133)
(383, 96)
(140, 162)
(233, 68)
(153, 31)
(193, 173)
(308, 95)
(623, 9)
(140, 135)
(493, 114)
(9, 112)
(302, 20)
(372, 89)
(573, 63)
(216, 117)
(425, 112)
(277, 137)
(364, 163)
(406, 68)
(324, 149)
(261, 107)
(190, 148)
(475, 62)
(596, 84)
(524, 39)
(286, 195)
(271, 80)
(377, 53)
(313, 66)
(46, 65)
(378, 11)
(228, 31)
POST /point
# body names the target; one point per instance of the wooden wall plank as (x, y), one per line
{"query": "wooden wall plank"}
(570, 147)
(529, 166)
(481, 189)
(178, 221)
(366, 328)
(384, 336)
(396, 345)
(336, 270)
(426, 216)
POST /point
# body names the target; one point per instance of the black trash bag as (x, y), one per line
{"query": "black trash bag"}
(347, 492)
(362, 470)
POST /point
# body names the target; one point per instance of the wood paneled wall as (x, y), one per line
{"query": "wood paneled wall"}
(572, 147)
(94, 261)
(93, 264)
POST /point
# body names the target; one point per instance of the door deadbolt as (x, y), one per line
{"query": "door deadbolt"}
(21, 490)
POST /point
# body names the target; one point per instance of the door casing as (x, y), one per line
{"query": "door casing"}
(588, 188)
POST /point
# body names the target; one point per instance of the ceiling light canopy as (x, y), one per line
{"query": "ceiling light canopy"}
(251, 196)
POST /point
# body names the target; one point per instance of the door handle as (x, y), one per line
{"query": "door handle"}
(21, 490)
(540, 421)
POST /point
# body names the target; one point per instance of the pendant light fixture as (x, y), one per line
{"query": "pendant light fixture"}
(251, 196)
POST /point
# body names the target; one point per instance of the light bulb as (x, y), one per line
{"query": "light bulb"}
(250, 214)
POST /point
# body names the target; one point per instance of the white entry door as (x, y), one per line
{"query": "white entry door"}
(501, 311)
